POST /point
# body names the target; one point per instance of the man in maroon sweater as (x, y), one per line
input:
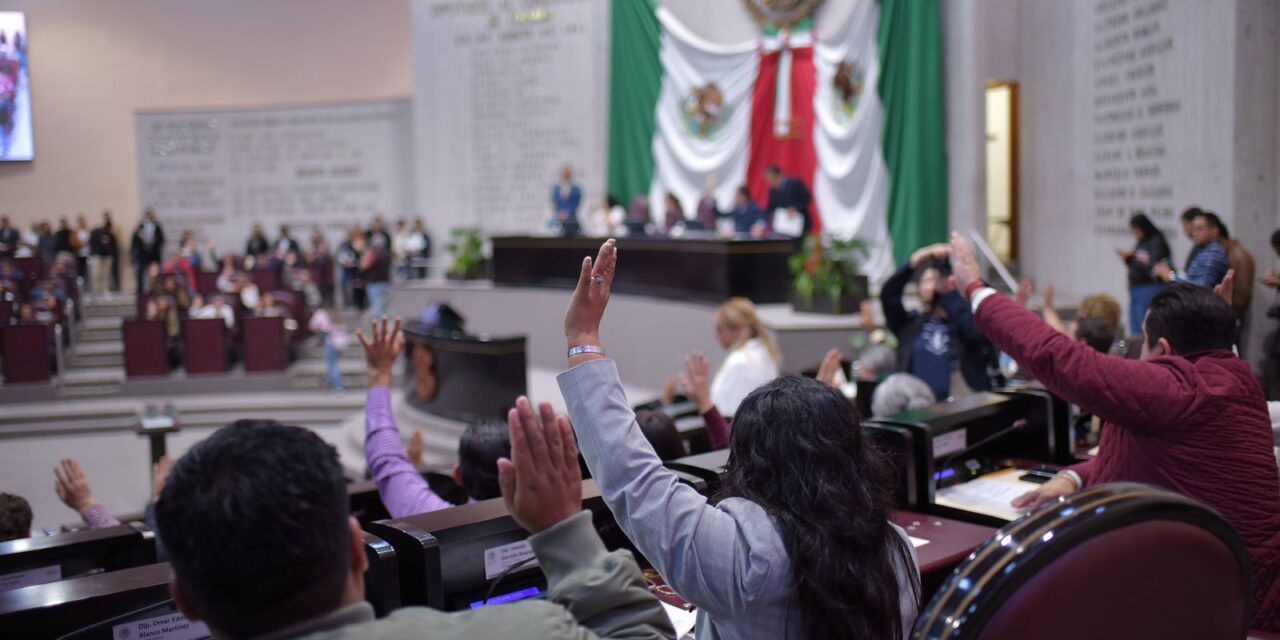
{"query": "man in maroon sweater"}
(1189, 417)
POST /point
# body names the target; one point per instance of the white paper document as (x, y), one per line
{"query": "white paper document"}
(989, 495)
(918, 542)
(682, 620)
(787, 224)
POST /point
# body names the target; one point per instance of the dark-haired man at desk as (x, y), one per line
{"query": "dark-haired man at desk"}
(1189, 416)
(263, 545)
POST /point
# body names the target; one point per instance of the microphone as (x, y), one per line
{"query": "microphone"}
(1018, 425)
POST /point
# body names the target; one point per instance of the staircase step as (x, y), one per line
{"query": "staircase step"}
(99, 348)
(96, 360)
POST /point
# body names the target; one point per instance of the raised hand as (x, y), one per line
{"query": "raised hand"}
(1048, 296)
(1025, 290)
(696, 381)
(586, 309)
(541, 482)
(1227, 288)
(938, 251)
(963, 263)
(160, 475)
(827, 370)
(416, 447)
(381, 351)
(71, 485)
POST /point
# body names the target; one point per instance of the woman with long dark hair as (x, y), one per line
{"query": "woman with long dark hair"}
(1151, 249)
(798, 542)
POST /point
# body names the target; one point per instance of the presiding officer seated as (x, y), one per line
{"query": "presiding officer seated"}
(262, 545)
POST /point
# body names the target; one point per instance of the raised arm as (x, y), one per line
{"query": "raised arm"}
(896, 316)
(73, 490)
(1098, 383)
(696, 381)
(542, 487)
(699, 549)
(403, 489)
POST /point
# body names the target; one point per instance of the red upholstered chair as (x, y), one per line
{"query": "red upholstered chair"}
(206, 345)
(264, 346)
(206, 283)
(26, 352)
(266, 279)
(145, 351)
(1116, 561)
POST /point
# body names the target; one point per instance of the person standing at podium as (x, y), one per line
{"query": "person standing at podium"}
(566, 198)
(789, 201)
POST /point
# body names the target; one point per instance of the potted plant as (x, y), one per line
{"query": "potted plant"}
(467, 248)
(825, 275)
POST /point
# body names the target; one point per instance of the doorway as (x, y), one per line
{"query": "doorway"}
(1002, 169)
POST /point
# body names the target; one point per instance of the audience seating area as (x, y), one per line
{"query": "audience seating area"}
(38, 302)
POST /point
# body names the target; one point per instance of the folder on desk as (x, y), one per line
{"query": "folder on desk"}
(989, 495)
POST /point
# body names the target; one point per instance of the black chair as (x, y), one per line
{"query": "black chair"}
(1115, 561)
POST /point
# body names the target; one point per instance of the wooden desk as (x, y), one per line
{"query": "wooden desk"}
(709, 269)
(950, 541)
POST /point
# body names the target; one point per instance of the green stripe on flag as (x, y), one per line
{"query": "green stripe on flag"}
(914, 137)
(634, 84)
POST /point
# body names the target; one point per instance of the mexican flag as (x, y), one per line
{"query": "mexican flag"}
(849, 101)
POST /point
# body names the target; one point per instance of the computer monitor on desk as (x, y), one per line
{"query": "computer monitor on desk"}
(951, 442)
(461, 376)
(461, 558)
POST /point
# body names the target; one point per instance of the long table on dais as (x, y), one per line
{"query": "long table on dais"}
(709, 269)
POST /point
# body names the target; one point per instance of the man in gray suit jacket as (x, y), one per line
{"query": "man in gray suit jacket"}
(257, 524)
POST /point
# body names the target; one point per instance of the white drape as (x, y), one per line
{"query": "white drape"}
(851, 187)
(684, 160)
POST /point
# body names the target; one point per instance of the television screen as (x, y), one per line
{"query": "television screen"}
(16, 140)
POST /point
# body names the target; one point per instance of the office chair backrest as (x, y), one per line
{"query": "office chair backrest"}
(1116, 561)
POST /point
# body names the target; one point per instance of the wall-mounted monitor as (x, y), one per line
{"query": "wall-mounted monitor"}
(17, 140)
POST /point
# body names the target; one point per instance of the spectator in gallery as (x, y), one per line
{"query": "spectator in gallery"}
(566, 198)
(401, 485)
(397, 246)
(375, 271)
(932, 340)
(335, 338)
(348, 257)
(378, 236)
(791, 196)
(1241, 262)
(9, 237)
(417, 246)
(1188, 219)
(673, 214)
(147, 247)
(228, 276)
(64, 238)
(753, 357)
(215, 308)
(250, 296)
(1151, 249)
(80, 240)
(1209, 264)
(46, 243)
(746, 215)
(104, 254)
(299, 279)
(285, 244)
(257, 245)
(9, 271)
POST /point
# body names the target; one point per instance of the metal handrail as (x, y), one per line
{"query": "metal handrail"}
(58, 356)
(1001, 270)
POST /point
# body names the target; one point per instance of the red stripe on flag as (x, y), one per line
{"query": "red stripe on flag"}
(794, 154)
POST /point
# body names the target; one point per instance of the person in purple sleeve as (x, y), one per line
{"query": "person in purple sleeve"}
(403, 489)
(74, 491)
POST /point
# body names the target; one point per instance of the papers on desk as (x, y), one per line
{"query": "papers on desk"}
(989, 495)
(682, 620)
(786, 223)
(918, 542)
